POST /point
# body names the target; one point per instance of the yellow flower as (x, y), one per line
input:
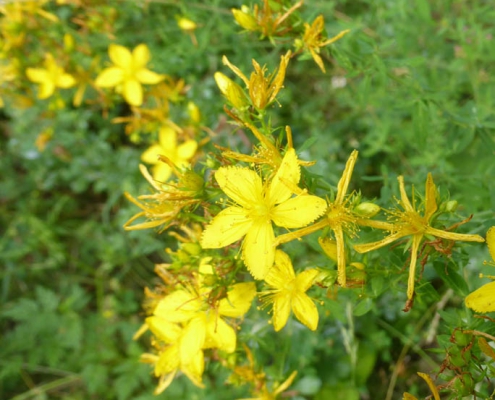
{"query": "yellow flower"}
(339, 218)
(129, 72)
(483, 299)
(256, 206)
(262, 89)
(179, 155)
(288, 291)
(265, 394)
(169, 359)
(313, 39)
(163, 206)
(410, 223)
(204, 327)
(270, 24)
(50, 77)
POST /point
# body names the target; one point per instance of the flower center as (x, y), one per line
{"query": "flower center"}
(261, 210)
(415, 222)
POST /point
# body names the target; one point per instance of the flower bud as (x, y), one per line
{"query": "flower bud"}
(186, 24)
(244, 19)
(190, 180)
(194, 112)
(451, 206)
(367, 209)
(231, 90)
(329, 246)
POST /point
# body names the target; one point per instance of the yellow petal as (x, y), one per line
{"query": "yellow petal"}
(305, 279)
(258, 250)
(298, 211)
(483, 299)
(490, 241)
(151, 154)
(120, 56)
(179, 306)
(431, 385)
(305, 310)
(193, 338)
(281, 311)
(109, 77)
(194, 369)
(167, 138)
(65, 81)
(278, 82)
(164, 382)
(344, 181)
(161, 172)
(412, 268)
(187, 150)
(168, 360)
(364, 248)
(430, 198)
(227, 227)
(282, 272)
(242, 185)
(220, 335)
(238, 300)
(288, 174)
(140, 56)
(163, 329)
(403, 195)
(133, 92)
(236, 70)
(284, 385)
(148, 77)
(453, 236)
(46, 89)
(341, 261)
(37, 75)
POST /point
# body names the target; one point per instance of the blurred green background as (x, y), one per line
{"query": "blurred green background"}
(411, 87)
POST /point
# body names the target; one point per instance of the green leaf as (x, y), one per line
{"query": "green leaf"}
(363, 307)
(452, 278)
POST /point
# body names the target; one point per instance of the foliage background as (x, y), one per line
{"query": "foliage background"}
(418, 97)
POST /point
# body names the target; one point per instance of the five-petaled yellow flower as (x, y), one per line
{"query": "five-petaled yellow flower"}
(129, 72)
(204, 325)
(180, 155)
(483, 299)
(339, 217)
(50, 78)
(410, 223)
(169, 361)
(313, 39)
(257, 205)
(288, 292)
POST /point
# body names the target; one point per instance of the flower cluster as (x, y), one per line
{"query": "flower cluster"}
(252, 210)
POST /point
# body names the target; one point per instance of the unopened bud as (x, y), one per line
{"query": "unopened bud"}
(367, 209)
(244, 19)
(194, 112)
(192, 181)
(186, 24)
(231, 90)
(329, 246)
(451, 205)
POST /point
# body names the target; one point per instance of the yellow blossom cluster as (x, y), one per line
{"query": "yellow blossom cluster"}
(247, 212)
